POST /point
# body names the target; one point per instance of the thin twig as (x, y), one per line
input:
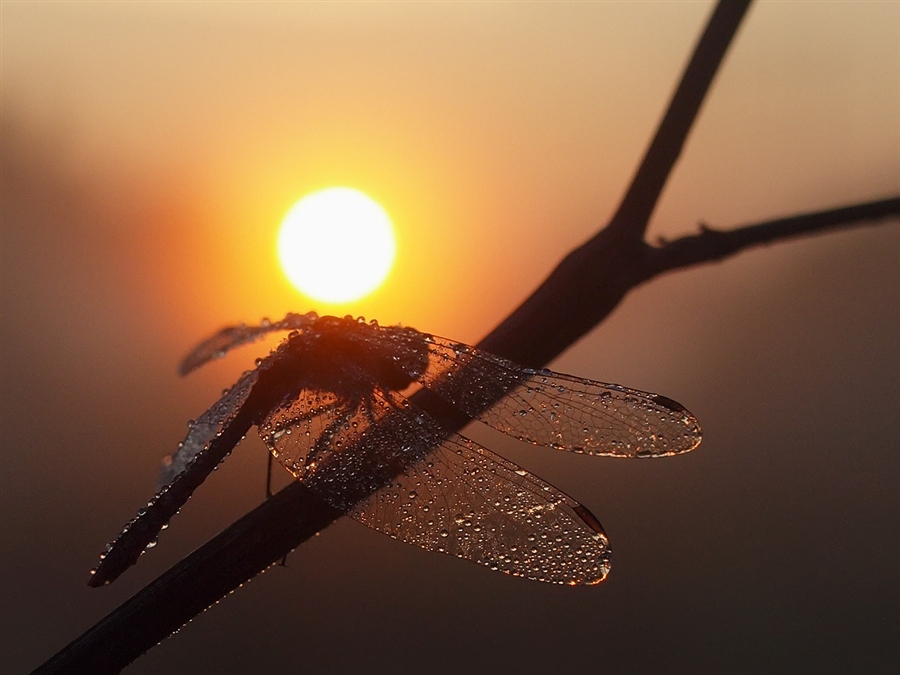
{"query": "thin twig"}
(231, 558)
(610, 264)
(583, 290)
(293, 515)
(711, 245)
(640, 200)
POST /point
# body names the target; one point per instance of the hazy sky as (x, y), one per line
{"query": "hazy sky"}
(149, 151)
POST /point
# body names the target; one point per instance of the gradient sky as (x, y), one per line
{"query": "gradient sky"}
(149, 151)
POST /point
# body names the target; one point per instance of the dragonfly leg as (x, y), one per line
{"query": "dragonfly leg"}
(269, 494)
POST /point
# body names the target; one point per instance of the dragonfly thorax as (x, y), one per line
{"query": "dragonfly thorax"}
(354, 352)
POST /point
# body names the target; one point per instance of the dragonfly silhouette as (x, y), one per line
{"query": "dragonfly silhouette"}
(328, 404)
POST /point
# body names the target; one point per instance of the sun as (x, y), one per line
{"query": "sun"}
(336, 245)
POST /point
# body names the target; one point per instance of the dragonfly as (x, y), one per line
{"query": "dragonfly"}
(329, 403)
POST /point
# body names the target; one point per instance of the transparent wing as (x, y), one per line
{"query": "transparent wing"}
(466, 501)
(209, 439)
(555, 410)
(303, 432)
(335, 445)
(218, 345)
(206, 427)
(393, 468)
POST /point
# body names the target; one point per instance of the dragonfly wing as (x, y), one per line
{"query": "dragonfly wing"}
(555, 410)
(334, 444)
(209, 439)
(302, 432)
(206, 427)
(466, 501)
(216, 346)
(394, 469)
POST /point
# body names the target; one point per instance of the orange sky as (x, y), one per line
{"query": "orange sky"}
(498, 136)
(149, 152)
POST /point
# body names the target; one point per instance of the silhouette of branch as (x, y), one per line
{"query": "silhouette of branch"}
(712, 245)
(584, 289)
(605, 268)
(231, 558)
(640, 200)
(591, 281)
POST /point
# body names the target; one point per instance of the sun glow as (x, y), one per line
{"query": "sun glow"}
(336, 245)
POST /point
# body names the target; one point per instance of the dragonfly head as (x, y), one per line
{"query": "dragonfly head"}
(394, 357)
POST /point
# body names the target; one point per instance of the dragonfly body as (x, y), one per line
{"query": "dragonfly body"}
(345, 356)
(328, 404)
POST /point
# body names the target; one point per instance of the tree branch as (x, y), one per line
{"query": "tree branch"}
(295, 514)
(711, 245)
(638, 204)
(231, 558)
(610, 264)
(582, 291)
